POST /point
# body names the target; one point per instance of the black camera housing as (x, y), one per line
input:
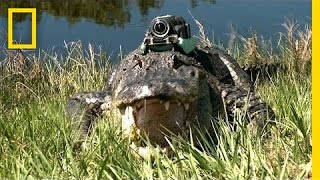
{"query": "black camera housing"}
(164, 33)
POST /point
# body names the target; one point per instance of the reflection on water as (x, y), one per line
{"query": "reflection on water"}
(114, 23)
(107, 12)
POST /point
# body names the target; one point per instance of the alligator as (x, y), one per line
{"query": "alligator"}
(161, 92)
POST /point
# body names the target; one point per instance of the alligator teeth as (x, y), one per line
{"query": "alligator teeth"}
(186, 106)
(166, 105)
(127, 119)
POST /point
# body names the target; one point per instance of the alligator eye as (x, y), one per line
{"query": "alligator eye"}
(137, 60)
(176, 62)
(139, 63)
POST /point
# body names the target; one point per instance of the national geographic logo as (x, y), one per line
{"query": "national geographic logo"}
(11, 44)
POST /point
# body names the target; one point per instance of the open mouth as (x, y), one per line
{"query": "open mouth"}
(157, 118)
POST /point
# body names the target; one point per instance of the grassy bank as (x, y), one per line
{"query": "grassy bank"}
(36, 137)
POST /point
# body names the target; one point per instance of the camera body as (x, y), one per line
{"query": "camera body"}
(167, 32)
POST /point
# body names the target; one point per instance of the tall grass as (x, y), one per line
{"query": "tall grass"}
(36, 137)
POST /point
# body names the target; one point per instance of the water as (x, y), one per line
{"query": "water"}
(111, 23)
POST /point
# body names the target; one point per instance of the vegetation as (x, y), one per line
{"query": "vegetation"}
(107, 12)
(36, 137)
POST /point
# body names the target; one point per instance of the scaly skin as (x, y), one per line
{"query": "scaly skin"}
(172, 90)
(84, 109)
(238, 95)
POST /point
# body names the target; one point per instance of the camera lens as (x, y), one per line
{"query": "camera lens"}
(160, 28)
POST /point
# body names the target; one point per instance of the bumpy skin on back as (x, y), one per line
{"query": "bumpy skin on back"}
(168, 91)
(235, 86)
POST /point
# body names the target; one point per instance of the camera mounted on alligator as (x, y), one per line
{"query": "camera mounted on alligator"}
(167, 32)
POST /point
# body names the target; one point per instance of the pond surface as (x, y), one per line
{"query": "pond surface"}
(111, 23)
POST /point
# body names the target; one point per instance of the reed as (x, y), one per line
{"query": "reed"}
(36, 137)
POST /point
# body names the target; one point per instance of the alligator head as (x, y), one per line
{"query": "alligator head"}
(161, 93)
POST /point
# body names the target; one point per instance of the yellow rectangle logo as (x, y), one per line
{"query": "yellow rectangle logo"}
(11, 44)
